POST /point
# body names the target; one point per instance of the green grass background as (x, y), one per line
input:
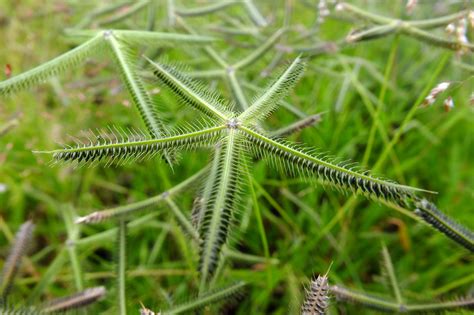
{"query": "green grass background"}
(435, 152)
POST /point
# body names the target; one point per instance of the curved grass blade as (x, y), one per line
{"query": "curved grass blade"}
(56, 66)
(78, 300)
(20, 246)
(299, 161)
(118, 147)
(441, 222)
(265, 104)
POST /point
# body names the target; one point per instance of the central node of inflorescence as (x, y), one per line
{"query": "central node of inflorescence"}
(107, 34)
(233, 123)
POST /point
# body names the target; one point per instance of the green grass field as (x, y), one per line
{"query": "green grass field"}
(287, 230)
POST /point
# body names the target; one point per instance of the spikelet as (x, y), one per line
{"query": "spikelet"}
(448, 104)
(431, 98)
(323, 11)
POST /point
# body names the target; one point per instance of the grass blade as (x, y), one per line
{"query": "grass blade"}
(122, 266)
(260, 51)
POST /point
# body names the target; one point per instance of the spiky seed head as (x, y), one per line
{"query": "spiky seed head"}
(316, 301)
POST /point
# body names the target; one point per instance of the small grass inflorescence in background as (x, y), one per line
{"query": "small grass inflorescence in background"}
(237, 157)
